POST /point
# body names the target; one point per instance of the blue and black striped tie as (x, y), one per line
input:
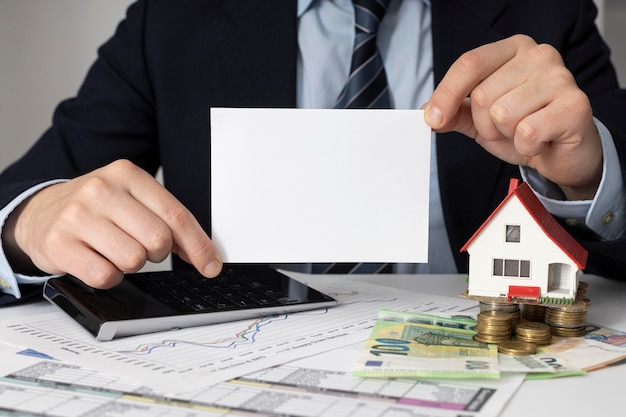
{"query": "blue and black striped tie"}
(367, 86)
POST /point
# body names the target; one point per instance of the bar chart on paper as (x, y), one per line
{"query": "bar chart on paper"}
(225, 351)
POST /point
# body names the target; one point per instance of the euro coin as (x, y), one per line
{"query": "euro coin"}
(517, 348)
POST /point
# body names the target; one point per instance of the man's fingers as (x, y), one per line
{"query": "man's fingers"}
(188, 237)
(75, 258)
(94, 270)
(463, 76)
(191, 241)
(150, 233)
(105, 223)
(115, 224)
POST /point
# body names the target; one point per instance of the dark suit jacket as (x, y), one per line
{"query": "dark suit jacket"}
(147, 97)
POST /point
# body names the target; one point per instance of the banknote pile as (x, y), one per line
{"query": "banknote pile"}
(498, 339)
(421, 345)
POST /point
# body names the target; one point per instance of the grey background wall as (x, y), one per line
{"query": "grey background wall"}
(46, 47)
(615, 33)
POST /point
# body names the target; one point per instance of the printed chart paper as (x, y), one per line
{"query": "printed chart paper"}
(321, 386)
(214, 353)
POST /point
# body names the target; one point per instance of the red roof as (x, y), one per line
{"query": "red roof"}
(544, 219)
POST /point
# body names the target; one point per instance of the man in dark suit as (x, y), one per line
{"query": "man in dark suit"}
(525, 100)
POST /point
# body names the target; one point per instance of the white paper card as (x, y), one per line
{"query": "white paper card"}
(304, 185)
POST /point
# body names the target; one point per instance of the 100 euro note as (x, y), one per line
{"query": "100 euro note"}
(424, 345)
(405, 345)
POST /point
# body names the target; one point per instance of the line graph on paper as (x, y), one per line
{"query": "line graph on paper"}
(252, 332)
(224, 351)
(242, 338)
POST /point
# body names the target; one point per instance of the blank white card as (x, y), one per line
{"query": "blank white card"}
(302, 185)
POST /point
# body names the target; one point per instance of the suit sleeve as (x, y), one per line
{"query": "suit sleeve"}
(588, 57)
(111, 117)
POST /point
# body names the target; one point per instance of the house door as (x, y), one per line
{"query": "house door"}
(559, 278)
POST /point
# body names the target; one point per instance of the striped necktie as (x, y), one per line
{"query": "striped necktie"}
(367, 83)
(366, 88)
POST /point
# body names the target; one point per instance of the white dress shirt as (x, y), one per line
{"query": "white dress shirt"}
(325, 40)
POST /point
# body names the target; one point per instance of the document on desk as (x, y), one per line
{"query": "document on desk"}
(319, 386)
(220, 352)
(312, 185)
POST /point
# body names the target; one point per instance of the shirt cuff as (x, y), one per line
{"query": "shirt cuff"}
(9, 280)
(605, 214)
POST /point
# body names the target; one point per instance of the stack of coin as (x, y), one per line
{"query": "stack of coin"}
(501, 307)
(511, 308)
(534, 312)
(517, 348)
(533, 332)
(567, 321)
(568, 331)
(494, 327)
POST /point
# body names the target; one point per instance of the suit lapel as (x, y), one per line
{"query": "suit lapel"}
(255, 64)
(461, 25)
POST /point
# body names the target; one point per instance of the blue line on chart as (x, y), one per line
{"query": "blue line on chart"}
(247, 336)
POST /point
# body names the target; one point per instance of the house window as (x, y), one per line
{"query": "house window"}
(511, 268)
(498, 267)
(513, 233)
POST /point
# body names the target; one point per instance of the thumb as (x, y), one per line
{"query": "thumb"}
(443, 120)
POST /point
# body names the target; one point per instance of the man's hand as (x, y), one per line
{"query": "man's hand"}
(103, 224)
(518, 101)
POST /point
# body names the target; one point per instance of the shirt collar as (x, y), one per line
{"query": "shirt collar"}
(303, 5)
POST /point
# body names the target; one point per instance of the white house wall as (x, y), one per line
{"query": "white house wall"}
(534, 246)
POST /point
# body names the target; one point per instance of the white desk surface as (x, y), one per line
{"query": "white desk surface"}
(598, 392)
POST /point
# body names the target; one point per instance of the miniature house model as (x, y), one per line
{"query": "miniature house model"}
(522, 253)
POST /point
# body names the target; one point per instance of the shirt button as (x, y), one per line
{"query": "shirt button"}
(4, 284)
(572, 222)
(607, 218)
